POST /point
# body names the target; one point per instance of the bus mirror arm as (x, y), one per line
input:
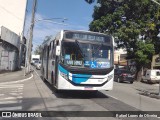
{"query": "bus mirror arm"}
(57, 50)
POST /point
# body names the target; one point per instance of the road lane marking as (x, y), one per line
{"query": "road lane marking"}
(17, 91)
(20, 88)
(35, 71)
(20, 93)
(11, 108)
(14, 93)
(10, 87)
(11, 102)
(110, 95)
(1, 94)
(11, 98)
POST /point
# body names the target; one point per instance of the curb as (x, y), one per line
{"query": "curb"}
(152, 95)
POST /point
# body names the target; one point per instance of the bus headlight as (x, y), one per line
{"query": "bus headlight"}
(64, 75)
(110, 77)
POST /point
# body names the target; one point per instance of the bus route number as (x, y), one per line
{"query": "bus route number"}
(74, 62)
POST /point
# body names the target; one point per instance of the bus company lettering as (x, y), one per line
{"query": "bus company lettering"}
(126, 115)
(136, 115)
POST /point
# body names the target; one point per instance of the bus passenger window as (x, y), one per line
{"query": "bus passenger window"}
(57, 42)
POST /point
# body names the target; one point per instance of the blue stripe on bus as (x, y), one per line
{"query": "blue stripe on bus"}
(76, 78)
(81, 75)
(79, 80)
(62, 69)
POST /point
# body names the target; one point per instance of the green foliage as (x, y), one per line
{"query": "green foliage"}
(144, 52)
(127, 19)
(38, 50)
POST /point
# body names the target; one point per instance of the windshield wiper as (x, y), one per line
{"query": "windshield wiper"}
(77, 44)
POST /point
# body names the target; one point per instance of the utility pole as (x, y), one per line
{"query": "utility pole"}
(29, 47)
(156, 2)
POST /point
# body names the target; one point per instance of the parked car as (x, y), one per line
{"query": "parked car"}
(35, 63)
(123, 75)
(34, 60)
(151, 76)
(38, 65)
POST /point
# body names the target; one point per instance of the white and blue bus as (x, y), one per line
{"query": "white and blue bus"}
(79, 60)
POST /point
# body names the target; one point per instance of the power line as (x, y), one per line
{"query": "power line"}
(10, 13)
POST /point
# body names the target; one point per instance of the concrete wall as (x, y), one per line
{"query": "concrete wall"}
(118, 53)
(9, 50)
(10, 37)
(12, 14)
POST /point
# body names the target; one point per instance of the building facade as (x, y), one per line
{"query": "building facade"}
(12, 14)
(120, 57)
(155, 64)
(121, 61)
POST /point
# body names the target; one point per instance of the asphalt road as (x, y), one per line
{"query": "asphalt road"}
(35, 95)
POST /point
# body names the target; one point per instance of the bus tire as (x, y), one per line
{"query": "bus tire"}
(118, 80)
(131, 82)
(56, 90)
(142, 80)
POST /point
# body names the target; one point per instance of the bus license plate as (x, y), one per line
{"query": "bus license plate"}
(88, 88)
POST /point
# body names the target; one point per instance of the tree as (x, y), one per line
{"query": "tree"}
(135, 23)
(38, 49)
(89, 1)
(46, 39)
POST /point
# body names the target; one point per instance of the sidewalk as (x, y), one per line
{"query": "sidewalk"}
(13, 76)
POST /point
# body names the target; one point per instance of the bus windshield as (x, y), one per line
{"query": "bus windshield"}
(79, 54)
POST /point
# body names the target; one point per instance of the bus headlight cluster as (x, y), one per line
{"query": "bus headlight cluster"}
(110, 77)
(64, 75)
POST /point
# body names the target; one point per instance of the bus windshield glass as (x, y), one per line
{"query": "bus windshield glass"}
(90, 55)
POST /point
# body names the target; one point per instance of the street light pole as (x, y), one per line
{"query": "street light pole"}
(50, 20)
(29, 45)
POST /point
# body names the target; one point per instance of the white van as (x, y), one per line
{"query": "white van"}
(35, 58)
(151, 76)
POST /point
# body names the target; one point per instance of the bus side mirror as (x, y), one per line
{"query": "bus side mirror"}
(57, 50)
